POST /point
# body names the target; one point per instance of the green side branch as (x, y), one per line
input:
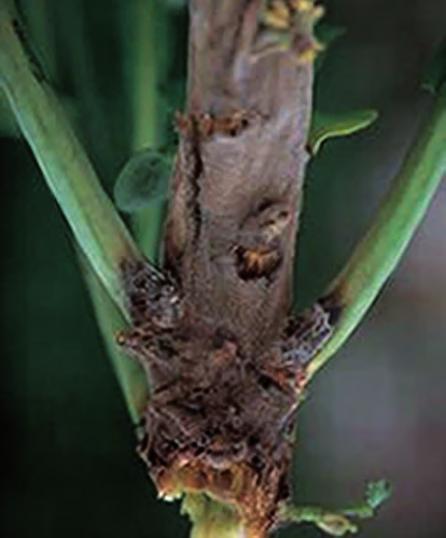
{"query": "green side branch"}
(339, 522)
(357, 286)
(97, 228)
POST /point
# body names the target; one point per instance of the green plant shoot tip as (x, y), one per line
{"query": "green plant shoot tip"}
(377, 493)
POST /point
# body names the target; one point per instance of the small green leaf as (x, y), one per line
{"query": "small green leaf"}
(325, 126)
(326, 34)
(377, 493)
(436, 71)
(143, 179)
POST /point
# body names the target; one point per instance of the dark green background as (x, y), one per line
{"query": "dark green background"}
(379, 409)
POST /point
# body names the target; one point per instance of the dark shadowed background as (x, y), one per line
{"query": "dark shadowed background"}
(378, 410)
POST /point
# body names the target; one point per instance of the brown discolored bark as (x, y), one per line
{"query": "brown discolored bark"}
(225, 360)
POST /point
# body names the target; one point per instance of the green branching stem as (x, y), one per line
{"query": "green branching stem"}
(338, 522)
(97, 228)
(333, 523)
(376, 256)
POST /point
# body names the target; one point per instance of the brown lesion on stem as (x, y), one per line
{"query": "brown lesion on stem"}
(308, 332)
(334, 304)
(219, 421)
(227, 367)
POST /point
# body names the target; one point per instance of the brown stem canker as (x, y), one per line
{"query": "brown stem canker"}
(226, 363)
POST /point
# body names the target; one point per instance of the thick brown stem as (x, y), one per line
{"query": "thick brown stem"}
(226, 365)
(238, 183)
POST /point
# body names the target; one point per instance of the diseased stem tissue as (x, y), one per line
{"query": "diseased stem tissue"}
(225, 359)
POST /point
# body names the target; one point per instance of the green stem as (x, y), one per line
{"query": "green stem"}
(131, 377)
(212, 519)
(97, 228)
(145, 18)
(337, 522)
(376, 256)
(333, 523)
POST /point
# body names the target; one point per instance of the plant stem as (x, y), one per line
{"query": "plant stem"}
(212, 519)
(70, 175)
(337, 522)
(145, 18)
(131, 377)
(376, 256)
